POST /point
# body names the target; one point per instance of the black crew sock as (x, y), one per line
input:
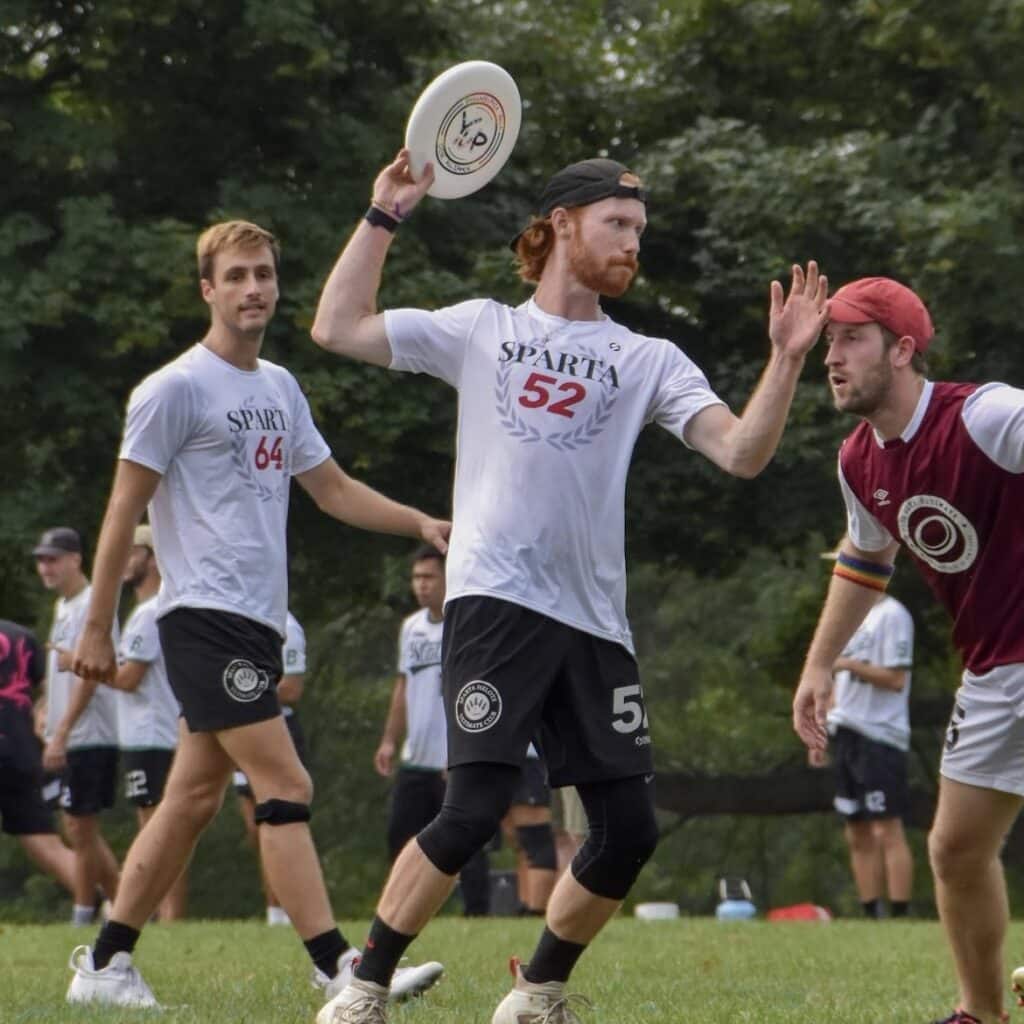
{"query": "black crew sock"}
(114, 937)
(384, 948)
(899, 908)
(872, 908)
(324, 950)
(553, 959)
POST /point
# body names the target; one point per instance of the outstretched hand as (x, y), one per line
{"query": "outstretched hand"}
(796, 321)
(396, 191)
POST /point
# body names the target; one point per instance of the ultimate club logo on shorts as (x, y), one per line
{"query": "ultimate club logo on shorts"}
(245, 682)
(477, 707)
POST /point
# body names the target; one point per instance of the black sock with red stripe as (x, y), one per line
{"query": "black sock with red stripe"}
(384, 948)
(553, 959)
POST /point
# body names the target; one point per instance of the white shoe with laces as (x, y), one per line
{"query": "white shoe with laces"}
(117, 984)
(533, 1003)
(359, 1002)
(405, 983)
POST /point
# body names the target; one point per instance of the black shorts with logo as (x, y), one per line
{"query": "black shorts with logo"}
(23, 811)
(88, 783)
(145, 775)
(511, 674)
(871, 777)
(223, 668)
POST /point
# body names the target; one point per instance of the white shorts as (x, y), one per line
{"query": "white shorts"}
(985, 738)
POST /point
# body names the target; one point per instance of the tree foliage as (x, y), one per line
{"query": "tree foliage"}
(876, 138)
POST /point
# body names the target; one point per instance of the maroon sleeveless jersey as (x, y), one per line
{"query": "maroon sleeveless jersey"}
(959, 515)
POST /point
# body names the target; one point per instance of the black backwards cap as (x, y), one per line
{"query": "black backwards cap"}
(586, 182)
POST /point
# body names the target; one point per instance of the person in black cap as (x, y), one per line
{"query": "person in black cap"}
(81, 725)
(552, 396)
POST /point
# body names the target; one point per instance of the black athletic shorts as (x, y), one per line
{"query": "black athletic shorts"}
(223, 668)
(241, 782)
(145, 775)
(88, 783)
(533, 789)
(23, 811)
(871, 777)
(511, 674)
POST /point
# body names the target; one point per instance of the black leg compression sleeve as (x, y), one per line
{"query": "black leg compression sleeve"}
(476, 799)
(538, 843)
(280, 812)
(623, 834)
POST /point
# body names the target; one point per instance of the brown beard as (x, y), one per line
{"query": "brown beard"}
(871, 395)
(604, 276)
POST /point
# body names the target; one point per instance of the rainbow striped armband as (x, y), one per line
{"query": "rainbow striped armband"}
(872, 575)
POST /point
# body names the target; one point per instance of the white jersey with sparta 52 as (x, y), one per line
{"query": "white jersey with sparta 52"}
(227, 443)
(549, 412)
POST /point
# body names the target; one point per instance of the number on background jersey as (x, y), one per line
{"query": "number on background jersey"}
(269, 456)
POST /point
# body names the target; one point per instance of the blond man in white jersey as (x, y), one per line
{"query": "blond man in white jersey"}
(211, 443)
(552, 396)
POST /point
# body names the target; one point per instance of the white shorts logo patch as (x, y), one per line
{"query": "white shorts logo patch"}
(477, 707)
(938, 533)
(245, 682)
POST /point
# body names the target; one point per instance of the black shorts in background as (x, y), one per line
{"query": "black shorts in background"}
(89, 781)
(223, 668)
(871, 777)
(511, 674)
(23, 811)
(533, 789)
(145, 775)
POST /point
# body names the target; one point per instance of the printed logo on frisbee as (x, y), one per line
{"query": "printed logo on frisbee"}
(470, 133)
(244, 682)
(477, 706)
(938, 533)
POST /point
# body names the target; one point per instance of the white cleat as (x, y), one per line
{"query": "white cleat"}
(531, 1003)
(118, 984)
(359, 1002)
(1017, 981)
(405, 983)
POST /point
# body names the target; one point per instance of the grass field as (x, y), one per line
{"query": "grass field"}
(690, 971)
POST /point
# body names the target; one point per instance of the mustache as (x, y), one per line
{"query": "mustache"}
(626, 261)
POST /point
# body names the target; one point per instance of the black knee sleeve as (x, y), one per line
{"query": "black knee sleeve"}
(476, 799)
(538, 843)
(623, 834)
(280, 812)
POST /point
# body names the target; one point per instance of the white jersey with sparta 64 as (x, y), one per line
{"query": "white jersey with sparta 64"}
(549, 412)
(227, 443)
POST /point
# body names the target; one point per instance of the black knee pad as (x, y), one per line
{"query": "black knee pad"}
(623, 834)
(476, 799)
(280, 812)
(538, 843)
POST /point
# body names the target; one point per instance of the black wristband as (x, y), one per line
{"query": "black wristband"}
(379, 219)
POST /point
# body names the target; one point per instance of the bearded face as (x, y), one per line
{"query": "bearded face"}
(604, 244)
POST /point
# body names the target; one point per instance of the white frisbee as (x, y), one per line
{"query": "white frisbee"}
(465, 123)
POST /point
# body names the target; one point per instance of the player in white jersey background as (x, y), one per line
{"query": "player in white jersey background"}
(415, 729)
(147, 709)
(211, 443)
(81, 724)
(289, 691)
(869, 730)
(552, 396)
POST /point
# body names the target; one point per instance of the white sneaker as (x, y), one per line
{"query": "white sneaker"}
(530, 1003)
(405, 982)
(119, 983)
(359, 1002)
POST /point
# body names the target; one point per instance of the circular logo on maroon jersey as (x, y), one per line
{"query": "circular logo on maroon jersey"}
(938, 533)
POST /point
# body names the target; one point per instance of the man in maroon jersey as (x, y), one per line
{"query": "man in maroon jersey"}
(939, 469)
